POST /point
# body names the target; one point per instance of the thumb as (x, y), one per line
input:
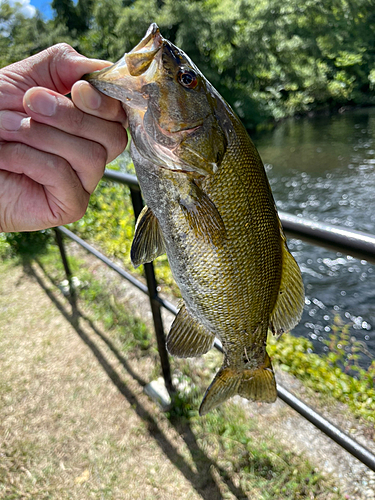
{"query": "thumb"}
(56, 68)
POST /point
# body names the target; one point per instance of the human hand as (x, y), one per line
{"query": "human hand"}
(53, 150)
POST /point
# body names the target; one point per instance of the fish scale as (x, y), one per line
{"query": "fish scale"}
(210, 208)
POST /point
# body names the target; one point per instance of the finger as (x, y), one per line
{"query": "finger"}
(89, 100)
(45, 193)
(46, 106)
(86, 157)
(56, 68)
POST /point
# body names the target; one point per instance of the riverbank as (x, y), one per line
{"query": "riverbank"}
(60, 426)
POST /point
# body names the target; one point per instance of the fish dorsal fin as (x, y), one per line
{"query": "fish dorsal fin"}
(291, 298)
(187, 337)
(202, 215)
(148, 242)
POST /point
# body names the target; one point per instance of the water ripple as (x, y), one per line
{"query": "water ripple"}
(324, 169)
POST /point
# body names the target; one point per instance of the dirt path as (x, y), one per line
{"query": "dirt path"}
(75, 423)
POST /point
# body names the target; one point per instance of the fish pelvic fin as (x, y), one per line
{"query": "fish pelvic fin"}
(148, 242)
(202, 216)
(187, 337)
(291, 297)
(254, 385)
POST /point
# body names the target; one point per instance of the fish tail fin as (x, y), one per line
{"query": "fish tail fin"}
(255, 385)
(259, 384)
(224, 386)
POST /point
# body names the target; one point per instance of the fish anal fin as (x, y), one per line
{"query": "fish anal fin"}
(255, 385)
(202, 216)
(187, 337)
(291, 298)
(148, 242)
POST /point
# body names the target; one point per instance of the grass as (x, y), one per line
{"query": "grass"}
(246, 453)
(78, 451)
(327, 374)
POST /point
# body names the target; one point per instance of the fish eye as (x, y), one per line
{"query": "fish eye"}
(187, 78)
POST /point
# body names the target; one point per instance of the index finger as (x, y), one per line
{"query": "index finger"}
(89, 100)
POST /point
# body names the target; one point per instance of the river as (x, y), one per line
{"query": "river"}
(323, 168)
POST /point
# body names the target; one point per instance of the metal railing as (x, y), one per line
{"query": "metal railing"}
(353, 243)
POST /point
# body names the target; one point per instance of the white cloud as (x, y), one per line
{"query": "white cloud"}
(26, 8)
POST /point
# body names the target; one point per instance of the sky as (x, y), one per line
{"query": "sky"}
(29, 6)
(44, 6)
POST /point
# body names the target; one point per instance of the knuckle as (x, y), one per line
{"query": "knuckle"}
(81, 210)
(57, 163)
(98, 155)
(61, 49)
(77, 121)
(78, 213)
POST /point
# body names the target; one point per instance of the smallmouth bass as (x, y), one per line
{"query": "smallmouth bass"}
(210, 208)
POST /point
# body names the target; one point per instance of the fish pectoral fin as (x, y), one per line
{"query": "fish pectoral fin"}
(291, 298)
(224, 386)
(202, 216)
(148, 242)
(255, 385)
(187, 337)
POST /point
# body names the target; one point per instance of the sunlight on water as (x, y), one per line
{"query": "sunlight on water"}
(324, 169)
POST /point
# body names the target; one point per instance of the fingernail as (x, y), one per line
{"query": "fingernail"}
(41, 102)
(10, 120)
(90, 97)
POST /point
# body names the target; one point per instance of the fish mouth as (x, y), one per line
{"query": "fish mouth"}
(124, 79)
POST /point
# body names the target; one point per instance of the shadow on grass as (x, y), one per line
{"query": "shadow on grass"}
(202, 481)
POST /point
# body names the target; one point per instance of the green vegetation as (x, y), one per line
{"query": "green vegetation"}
(261, 464)
(327, 374)
(109, 223)
(268, 59)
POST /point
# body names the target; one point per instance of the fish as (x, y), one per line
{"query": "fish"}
(210, 208)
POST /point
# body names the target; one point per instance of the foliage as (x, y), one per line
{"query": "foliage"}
(327, 374)
(5, 248)
(27, 245)
(268, 59)
(21, 36)
(109, 222)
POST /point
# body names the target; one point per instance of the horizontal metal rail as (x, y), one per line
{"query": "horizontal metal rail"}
(339, 239)
(349, 444)
(122, 178)
(119, 270)
(341, 438)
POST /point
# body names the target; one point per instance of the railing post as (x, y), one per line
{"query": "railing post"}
(155, 304)
(68, 272)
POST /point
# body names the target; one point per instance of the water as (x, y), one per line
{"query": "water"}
(324, 169)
